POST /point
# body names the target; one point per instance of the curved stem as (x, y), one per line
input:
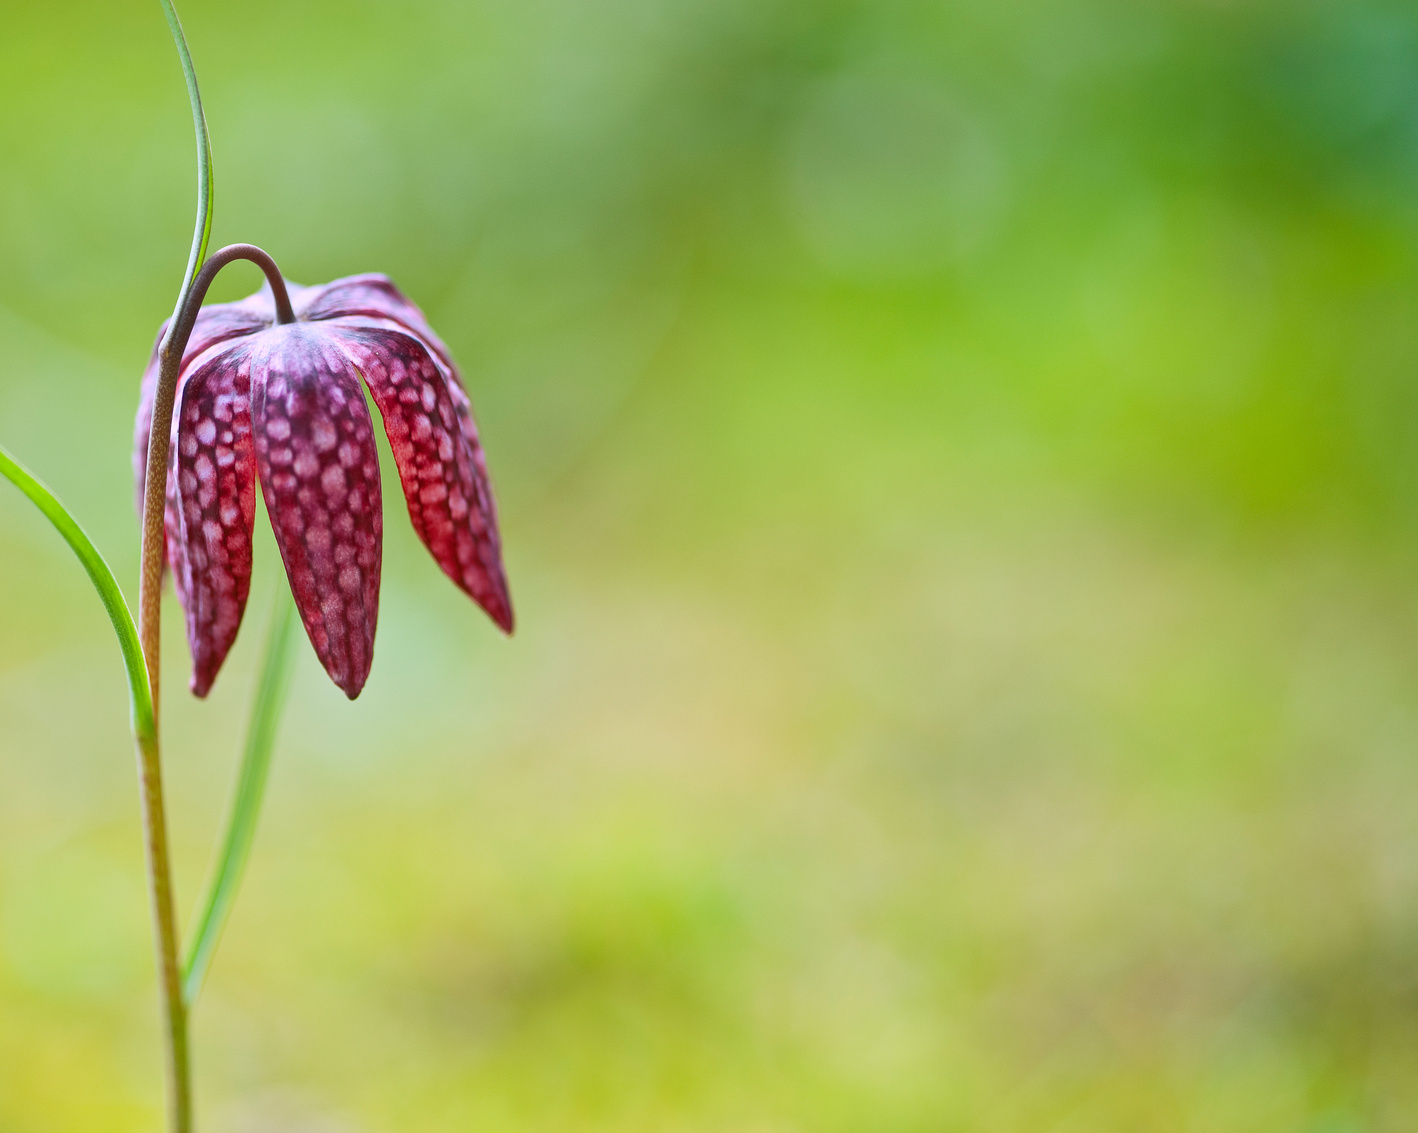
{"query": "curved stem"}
(179, 1085)
(246, 801)
(179, 1088)
(150, 634)
(155, 484)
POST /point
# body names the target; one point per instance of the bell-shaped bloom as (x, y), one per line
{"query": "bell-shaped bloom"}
(281, 405)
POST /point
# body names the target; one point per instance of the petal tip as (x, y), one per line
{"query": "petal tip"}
(353, 685)
(503, 618)
(494, 601)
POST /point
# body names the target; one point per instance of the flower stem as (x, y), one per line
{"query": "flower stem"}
(179, 1085)
(155, 483)
(179, 1076)
(144, 725)
(246, 801)
(150, 634)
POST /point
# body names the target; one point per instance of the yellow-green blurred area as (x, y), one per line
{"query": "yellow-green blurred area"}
(959, 475)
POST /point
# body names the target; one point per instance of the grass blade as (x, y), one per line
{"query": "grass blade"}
(205, 180)
(140, 701)
(246, 802)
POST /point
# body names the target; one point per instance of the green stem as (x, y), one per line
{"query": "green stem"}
(179, 1066)
(140, 644)
(150, 635)
(179, 1087)
(140, 704)
(144, 724)
(246, 801)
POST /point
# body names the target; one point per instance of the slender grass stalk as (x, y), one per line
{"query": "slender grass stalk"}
(246, 800)
(205, 184)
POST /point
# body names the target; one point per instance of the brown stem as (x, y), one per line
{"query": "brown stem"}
(179, 1086)
(150, 632)
(155, 486)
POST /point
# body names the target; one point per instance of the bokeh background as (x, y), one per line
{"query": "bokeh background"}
(959, 470)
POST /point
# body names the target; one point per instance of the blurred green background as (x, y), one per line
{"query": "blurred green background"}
(959, 470)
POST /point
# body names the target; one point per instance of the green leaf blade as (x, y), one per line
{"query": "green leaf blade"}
(205, 180)
(109, 592)
(246, 801)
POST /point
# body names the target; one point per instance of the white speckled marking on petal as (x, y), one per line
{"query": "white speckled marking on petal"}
(331, 551)
(438, 456)
(210, 509)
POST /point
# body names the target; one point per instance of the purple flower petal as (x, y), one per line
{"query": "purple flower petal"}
(214, 324)
(319, 472)
(373, 296)
(211, 504)
(295, 407)
(436, 449)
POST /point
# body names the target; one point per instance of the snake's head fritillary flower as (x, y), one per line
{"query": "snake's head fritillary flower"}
(281, 405)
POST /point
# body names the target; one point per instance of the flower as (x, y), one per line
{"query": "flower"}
(282, 404)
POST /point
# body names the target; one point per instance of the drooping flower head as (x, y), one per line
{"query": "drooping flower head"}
(281, 404)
